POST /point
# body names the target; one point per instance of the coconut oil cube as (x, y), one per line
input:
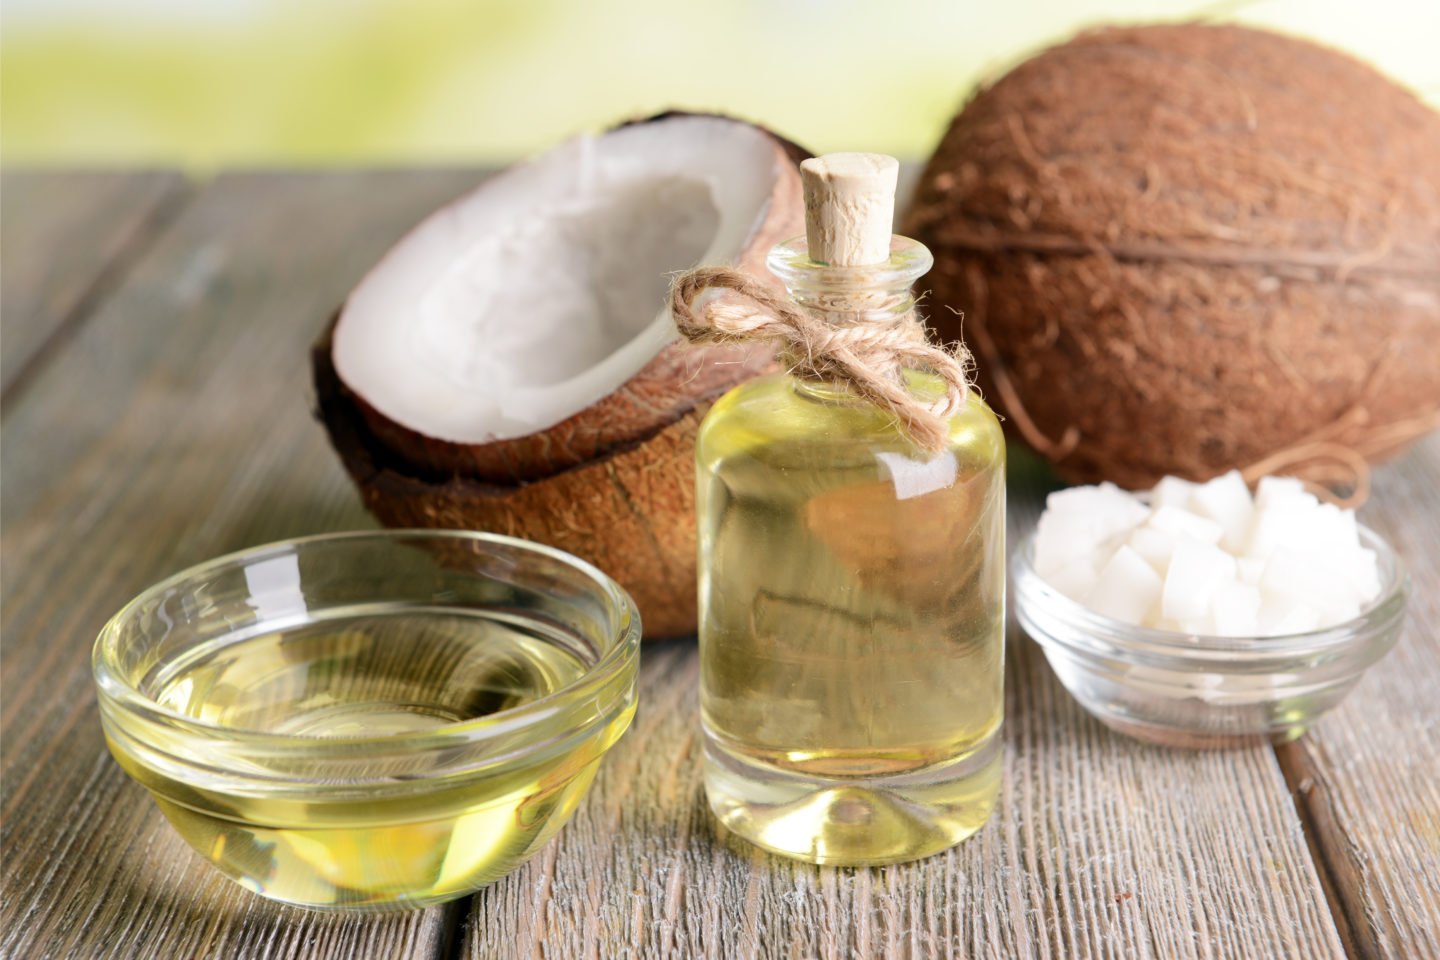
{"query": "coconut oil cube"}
(1235, 609)
(1226, 501)
(1366, 571)
(1126, 589)
(1250, 569)
(1172, 492)
(1182, 523)
(1155, 546)
(1196, 570)
(1272, 490)
(1074, 578)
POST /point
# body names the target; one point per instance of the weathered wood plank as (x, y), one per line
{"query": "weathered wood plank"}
(1368, 775)
(173, 427)
(1102, 847)
(62, 235)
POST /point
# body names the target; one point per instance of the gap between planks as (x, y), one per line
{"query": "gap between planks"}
(451, 945)
(1339, 877)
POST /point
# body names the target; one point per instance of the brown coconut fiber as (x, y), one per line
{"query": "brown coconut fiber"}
(1181, 249)
(603, 510)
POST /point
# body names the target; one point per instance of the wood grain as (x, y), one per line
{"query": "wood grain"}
(1102, 847)
(65, 238)
(174, 427)
(1368, 775)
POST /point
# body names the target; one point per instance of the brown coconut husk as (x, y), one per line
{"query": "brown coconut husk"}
(631, 511)
(612, 484)
(1183, 249)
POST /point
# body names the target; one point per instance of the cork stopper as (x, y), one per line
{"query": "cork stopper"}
(849, 207)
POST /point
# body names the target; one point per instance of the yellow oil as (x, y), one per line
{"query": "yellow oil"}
(371, 676)
(851, 624)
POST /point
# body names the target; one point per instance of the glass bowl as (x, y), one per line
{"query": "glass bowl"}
(370, 720)
(1185, 690)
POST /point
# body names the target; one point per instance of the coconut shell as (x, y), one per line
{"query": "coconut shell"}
(613, 484)
(668, 387)
(630, 512)
(1182, 249)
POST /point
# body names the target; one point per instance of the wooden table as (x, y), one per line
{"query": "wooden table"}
(156, 412)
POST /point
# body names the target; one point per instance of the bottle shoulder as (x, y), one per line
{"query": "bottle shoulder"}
(780, 406)
(778, 412)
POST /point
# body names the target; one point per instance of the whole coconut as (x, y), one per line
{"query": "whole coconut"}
(1181, 249)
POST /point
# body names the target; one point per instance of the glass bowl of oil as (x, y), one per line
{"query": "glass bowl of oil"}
(1201, 692)
(370, 721)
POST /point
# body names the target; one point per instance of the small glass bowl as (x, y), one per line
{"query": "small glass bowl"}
(372, 720)
(1183, 690)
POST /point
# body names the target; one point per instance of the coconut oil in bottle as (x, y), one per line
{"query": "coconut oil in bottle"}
(852, 592)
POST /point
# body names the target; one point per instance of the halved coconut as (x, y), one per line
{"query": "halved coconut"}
(510, 365)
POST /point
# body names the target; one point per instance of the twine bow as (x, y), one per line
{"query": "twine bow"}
(866, 356)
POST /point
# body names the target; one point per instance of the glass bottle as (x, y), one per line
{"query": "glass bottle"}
(852, 601)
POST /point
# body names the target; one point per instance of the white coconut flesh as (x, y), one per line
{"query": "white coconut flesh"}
(544, 290)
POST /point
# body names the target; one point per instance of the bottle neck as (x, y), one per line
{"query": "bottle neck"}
(875, 294)
(844, 296)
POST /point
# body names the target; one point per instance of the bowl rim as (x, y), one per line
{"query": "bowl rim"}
(623, 654)
(1101, 634)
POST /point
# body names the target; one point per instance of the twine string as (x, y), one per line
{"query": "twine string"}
(866, 355)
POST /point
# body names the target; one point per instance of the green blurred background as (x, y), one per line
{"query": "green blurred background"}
(208, 83)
